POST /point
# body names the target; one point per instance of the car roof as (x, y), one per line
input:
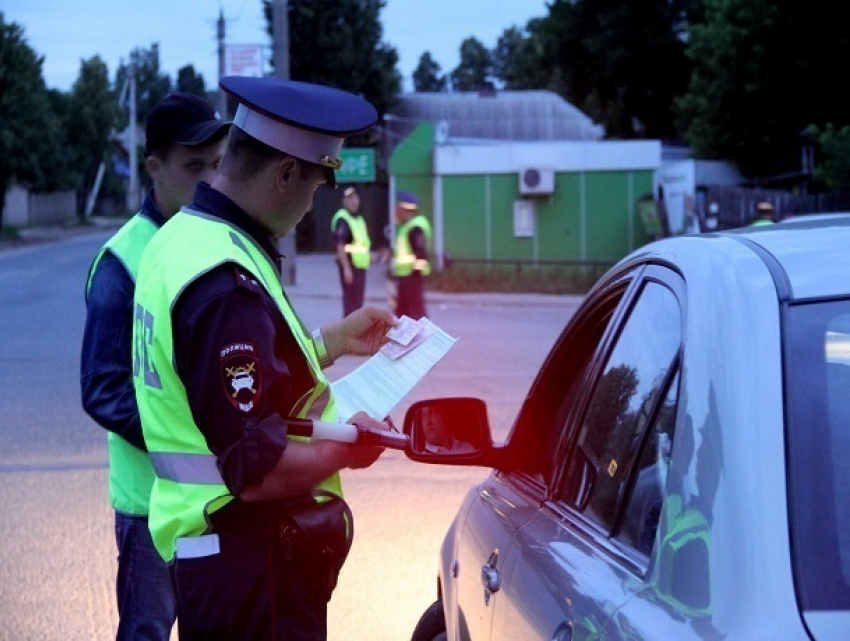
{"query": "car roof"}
(813, 253)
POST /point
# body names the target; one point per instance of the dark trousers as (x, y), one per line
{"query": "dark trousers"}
(353, 294)
(266, 583)
(146, 604)
(410, 296)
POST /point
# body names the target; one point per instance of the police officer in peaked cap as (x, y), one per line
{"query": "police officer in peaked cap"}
(250, 518)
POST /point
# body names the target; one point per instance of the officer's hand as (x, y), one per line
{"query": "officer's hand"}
(347, 275)
(362, 456)
(361, 333)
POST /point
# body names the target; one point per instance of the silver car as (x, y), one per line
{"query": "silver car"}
(680, 468)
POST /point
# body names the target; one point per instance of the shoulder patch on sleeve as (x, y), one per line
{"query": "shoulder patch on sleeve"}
(246, 281)
(240, 375)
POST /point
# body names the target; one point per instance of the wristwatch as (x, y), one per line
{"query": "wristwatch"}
(325, 360)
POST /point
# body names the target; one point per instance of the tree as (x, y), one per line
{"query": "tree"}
(763, 71)
(427, 76)
(151, 84)
(338, 43)
(518, 59)
(189, 81)
(834, 151)
(475, 71)
(27, 128)
(92, 118)
(622, 63)
(64, 173)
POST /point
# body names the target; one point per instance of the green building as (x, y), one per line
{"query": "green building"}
(526, 200)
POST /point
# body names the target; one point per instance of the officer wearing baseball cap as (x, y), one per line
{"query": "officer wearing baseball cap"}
(252, 520)
(764, 214)
(184, 142)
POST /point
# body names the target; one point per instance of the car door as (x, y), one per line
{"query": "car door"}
(506, 501)
(573, 560)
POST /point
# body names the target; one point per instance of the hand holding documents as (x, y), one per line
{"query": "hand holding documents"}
(381, 383)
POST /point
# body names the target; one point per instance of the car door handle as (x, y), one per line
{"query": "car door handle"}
(491, 578)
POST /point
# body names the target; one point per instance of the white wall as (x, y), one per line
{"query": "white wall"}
(561, 156)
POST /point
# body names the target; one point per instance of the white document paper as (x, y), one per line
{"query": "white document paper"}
(381, 383)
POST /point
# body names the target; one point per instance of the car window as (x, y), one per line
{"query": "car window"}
(643, 510)
(818, 375)
(557, 388)
(635, 377)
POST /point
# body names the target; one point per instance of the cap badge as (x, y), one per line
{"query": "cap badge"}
(327, 161)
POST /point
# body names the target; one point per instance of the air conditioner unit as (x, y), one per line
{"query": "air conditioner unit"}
(536, 181)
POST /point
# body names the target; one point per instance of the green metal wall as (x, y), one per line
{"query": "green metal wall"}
(591, 216)
(411, 164)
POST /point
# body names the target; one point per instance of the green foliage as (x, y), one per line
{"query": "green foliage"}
(189, 81)
(91, 120)
(518, 59)
(427, 76)
(475, 71)
(27, 124)
(763, 71)
(622, 63)
(151, 84)
(834, 148)
(338, 43)
(64, 172)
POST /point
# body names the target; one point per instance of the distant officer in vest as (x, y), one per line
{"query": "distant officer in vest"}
(184, 141)
(351, 237)
(411, 264)
(250, 517)
(764, 214)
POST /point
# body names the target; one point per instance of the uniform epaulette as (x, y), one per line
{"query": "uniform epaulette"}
(246, 281)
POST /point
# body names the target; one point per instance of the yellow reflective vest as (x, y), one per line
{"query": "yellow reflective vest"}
(188, 487)
(130, 470)
(404, 260)
(358, 248)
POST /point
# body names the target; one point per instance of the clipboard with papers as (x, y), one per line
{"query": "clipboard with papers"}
(382, 382)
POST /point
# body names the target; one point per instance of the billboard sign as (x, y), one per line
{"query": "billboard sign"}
(244, 60)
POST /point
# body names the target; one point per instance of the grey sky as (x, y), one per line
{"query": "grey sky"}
(68, 31)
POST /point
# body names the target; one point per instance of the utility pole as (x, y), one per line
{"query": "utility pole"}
(280, 30)
(222, 100)
(133, 187)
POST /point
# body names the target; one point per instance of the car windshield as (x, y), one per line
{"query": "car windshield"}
(818, 384)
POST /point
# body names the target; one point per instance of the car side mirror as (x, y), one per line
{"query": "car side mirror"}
(445, 429)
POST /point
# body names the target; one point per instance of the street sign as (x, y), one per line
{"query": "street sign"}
(358, 165)
(244, 60)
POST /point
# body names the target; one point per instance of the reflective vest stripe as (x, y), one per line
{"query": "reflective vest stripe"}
(194, 469)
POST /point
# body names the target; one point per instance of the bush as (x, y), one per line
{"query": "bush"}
(517, 277)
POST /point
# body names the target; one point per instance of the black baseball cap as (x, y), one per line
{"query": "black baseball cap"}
(182, 119)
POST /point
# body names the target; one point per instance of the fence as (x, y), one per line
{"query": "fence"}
(24, 208)
(731, 207)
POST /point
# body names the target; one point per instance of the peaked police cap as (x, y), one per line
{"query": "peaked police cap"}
(305, 120)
